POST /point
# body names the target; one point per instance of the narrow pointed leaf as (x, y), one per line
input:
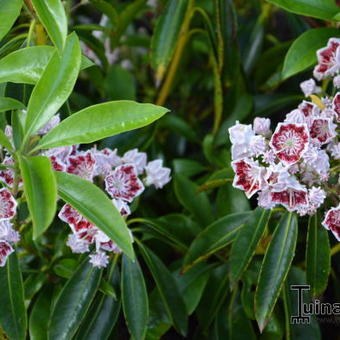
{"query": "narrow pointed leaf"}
(168, 290)
(13, 317)
(52, 15)
(41, 191)
(4, 141)
(54, 86)
(275, 266)
(94, 205)
(302, 52)
(10, 10)
(73, 302)
(100, 121)
(216, 236)
(28, 64)
(243, 248)
(318, 258)
(134, 298)
(166, 34)
(7, 103)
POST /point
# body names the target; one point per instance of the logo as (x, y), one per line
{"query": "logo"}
(315, 307)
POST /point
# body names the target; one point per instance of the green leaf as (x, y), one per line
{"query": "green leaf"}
(318, 258)
(27, 65)
(216, 236)
(243, 249)
(321, 9)
(40, 313)
(103, 314)
(302, 53)
(52, 15)
(41, 191)
(7, 104)
(100, 121)
(275, 266)
(134, 298)
(4, 141)
(168, 290)
(73, 302)
(33, 284)
(165, 37)
(54, 86)
(10, 10)
(94, 205)
(197, 203)
(13, 317)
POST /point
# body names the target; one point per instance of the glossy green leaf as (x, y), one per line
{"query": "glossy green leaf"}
(302, 53)
(243, 248)
(321, 9)
(318, 258)
(13, 317)
(73, 302)
(52, 15)
(93, 204)
(54, 86)
(100, 121)
(168, 290)
(7, 104)
(41, 191)
(27, 65)
(197, 203)
(39, 314)
(165, 38)
(216, 236)
(10, 10)
(4, 141)
(134, 298)
(103, 314)
(275, 267)
(33, 284)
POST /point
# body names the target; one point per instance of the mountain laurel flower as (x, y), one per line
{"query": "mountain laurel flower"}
(83, 165)
(8, 205)
(336, 106)
(156, 174)
(240, 134)
(7, 233)
(122, 207)
(106, 159)
(258, 145)
(5, 250)
(316, 197)
(336, 82)
(78, 245)
(328, 60)
(309, 87)
(137, 158)
(99, 259)
(332, 221)
(262, 126)
(334, 149)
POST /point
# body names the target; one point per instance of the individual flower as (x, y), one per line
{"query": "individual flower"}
(7, 175)
(57, 164)
(106, 159)
(334, 149)
(8, 205)
(249, 176)
(5, 250)
(295, 117)
(123, 183)
(137, 158)
(99, 259)
(332, 221)
(7, 233)
(328, 60)
(316, 197)
(322, 130)
(122, 207)
(309, 87)
(156, 174)
(240, 151)
(77, 245)
(290, 142)
(336, 106)
(83, 165)
(240, 134)
(69, 215)
(336, 81)
(269, 157)
(53, 122)
(261, 126)
(257, 145)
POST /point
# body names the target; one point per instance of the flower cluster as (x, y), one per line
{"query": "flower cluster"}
(124, 177)
(291, 166)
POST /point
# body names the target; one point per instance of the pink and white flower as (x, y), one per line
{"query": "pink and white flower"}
(240, 134)
(328, 60)
(290, 142)
(7, 233)
(122, 207)
(262, 126)
(99, 259)
(332, 221)
(322, 130)
(106, 159)
(77, 244)
(336, 82)
(156, 174)
(83, 165)
(336, 106)
(8, 205)
(69, 215)
(5, 250)
(7, 175)
(309, 87)
(137, 158)
(123, 183)
(249, 176)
